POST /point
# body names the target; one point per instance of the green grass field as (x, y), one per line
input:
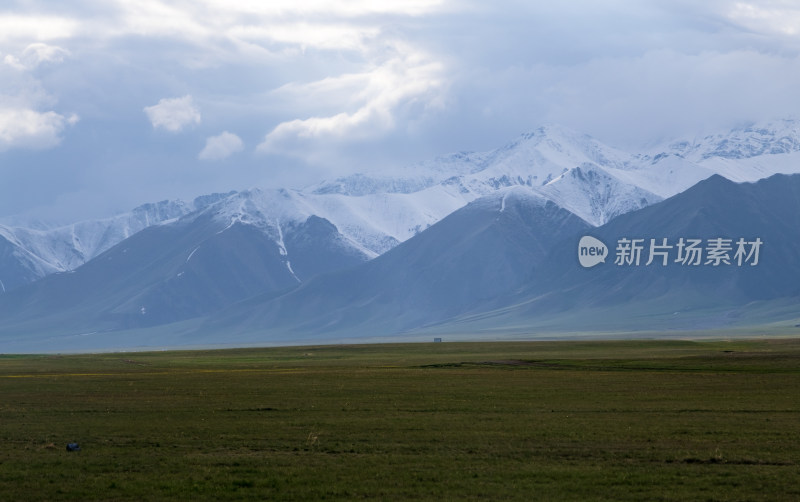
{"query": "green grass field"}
(628, 420)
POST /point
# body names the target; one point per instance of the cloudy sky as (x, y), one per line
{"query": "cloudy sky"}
(106, 104)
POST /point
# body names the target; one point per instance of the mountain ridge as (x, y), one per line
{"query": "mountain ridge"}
(374, 213)
(563, 296)
(506, 262)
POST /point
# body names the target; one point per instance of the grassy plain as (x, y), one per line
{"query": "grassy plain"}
(628, 420)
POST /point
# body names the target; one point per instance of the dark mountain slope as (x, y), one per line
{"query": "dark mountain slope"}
(615, 296)
(487, 248)
(173, 272)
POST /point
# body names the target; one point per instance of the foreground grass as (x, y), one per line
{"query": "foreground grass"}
(627, 420)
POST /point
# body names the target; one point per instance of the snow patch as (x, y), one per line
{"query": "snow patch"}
(282, 250)
(289, 266)
(192, 254)
(279, 242)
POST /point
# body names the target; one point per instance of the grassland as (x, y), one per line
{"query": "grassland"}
(632, 420)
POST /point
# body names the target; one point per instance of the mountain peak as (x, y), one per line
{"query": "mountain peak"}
(557, 131)
(376, 211)
(746, 141)
(359, 184)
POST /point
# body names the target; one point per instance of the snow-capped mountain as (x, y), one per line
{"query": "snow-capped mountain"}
(27, 254)
(375, 212)
(502, 224)
(595, 181)
(506, 263)
(747, 153)
(753, 140)
(490, 246)
(181, 270)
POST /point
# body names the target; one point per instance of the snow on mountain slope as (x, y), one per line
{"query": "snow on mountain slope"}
(379, 221)
(63, 248)
(375, 212)
(595, 195)
(747, 153)
(546, 152)
(534, 158)
(413, 178)
(665, 175)
(595, 181)
(754, 168)
(70, 246)
(753, 140)
(372, 223)
(379, 211)
(19, 265)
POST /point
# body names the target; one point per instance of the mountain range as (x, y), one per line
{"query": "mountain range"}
(469, 242)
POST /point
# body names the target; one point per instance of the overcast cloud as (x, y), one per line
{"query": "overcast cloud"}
(108, 104)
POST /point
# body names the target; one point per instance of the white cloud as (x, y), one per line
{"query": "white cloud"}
(22, 97)
(333, 86)
(36, 27)
(346, 8)
(372, 101)
(776, 16)
(630, 101)
(223, 30)
(330, 36)
(36, 54)
(173, 114)
(221, 147)
(26, 128)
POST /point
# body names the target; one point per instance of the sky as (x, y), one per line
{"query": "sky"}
(108, 104)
